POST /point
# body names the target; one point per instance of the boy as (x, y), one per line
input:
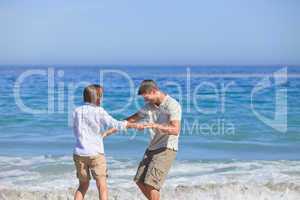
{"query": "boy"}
(88, 121)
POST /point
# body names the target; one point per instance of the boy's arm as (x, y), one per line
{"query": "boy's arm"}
(135, 125)
(108, 121)
(108, 132)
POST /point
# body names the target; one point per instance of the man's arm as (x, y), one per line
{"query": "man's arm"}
(171, 128)
(134, 118)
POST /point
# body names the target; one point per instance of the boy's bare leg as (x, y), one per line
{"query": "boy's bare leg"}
(102, 188)
(82, 189)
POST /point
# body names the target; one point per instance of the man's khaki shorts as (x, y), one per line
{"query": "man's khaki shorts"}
(154, 167)
(90, 164)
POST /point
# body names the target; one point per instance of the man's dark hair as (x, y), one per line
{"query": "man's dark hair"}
(147, 86)
(92, 93)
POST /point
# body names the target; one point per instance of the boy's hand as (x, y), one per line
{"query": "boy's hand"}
(104, 134)
(140, 126)
(137, 126)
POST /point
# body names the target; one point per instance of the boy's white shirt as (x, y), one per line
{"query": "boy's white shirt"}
(88, 122)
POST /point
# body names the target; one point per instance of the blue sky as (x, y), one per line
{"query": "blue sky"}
(152, 32)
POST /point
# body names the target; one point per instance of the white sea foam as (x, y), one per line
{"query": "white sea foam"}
(208, 192)
(187, 179)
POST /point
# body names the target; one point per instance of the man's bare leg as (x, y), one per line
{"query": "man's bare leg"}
(102, 188)
(82, 189)
(141, 185)
(150, 192)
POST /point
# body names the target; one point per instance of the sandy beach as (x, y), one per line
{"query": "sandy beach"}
(208, 192)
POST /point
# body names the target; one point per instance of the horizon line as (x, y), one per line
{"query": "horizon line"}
(149, 65)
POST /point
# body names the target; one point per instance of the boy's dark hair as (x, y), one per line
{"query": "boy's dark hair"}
(92, 93)
(147, 86)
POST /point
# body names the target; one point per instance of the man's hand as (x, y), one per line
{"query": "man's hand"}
(150, 125)
(137, 126)
(171, 128)
(140, 127)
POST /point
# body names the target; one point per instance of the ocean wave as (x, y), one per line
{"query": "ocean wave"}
(202, 179)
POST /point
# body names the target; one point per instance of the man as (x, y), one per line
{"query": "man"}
(164, 115)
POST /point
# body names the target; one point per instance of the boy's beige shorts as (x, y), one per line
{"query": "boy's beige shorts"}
(154, 167)
(87, 165)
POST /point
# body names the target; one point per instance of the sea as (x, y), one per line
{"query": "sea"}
(239, 139)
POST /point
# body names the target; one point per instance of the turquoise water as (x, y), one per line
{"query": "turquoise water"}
(49, 134)
(37, 148)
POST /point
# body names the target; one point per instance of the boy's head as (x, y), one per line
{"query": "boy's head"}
(149, 90)
(92, 94)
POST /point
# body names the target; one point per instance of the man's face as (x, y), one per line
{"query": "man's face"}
(150, 97)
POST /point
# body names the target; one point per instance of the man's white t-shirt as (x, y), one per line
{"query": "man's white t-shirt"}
(167, 111)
